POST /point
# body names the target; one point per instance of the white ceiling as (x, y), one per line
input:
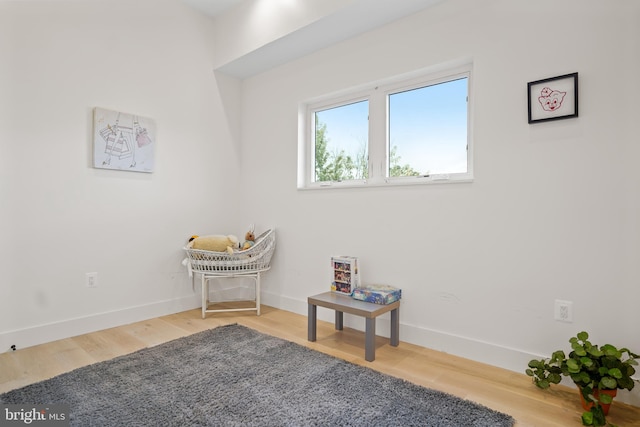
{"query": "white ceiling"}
(212, 8)
(358, 16)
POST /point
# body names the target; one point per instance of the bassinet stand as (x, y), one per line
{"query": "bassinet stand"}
(206, 277)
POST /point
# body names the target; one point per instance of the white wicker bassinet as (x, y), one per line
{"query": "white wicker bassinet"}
(250, 263)
(256, 258)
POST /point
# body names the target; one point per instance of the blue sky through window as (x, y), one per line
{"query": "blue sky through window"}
(429, 127)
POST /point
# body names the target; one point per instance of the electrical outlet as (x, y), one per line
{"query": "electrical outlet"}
(92, 280)
(563, 311)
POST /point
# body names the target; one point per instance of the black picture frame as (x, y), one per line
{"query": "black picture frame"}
(555, 98)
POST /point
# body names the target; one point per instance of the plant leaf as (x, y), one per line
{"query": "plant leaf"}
(598, 416)
(605, 398)
(608, 382)
(554, 378)
(626, 383)
(585, 378)
(615, 373)
(595, 351)
(610, 350)
(536, 364)
(586, 361)
(573, 366)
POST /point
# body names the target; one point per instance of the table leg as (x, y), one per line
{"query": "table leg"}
(258, 294)
(205, 295)
(370, 340)
(339, 320)
(311, 327)
(395, 327)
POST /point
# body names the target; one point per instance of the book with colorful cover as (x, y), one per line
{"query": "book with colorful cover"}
(345, 274)
(377, 294)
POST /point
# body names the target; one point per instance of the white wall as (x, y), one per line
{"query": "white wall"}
(553, 212)
(60, 217)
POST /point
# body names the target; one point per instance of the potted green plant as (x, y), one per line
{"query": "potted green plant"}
(597, 371)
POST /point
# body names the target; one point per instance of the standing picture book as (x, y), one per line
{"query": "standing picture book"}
(346, 275)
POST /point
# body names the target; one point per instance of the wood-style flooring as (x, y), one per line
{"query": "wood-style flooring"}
(499, 389)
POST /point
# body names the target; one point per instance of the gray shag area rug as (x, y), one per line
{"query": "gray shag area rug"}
(236, 376)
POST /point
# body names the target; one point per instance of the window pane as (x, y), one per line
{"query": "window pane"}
(341, 141)
(428, 130)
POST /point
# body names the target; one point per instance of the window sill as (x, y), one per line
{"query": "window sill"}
(391, 182)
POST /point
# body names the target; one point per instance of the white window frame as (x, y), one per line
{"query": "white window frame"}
(377, 94)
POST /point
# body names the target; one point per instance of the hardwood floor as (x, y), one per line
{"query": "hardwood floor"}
(499, 389)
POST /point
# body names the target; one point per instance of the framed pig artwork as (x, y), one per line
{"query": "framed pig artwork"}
(554, 98)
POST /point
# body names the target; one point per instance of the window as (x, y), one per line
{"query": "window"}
(401, 131)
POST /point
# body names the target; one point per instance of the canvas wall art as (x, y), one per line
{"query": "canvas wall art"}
(123, 141)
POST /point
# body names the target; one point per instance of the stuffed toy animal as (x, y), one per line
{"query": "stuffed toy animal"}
(217, 243)
(249, 239)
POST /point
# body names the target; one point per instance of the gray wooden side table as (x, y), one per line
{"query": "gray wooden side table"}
(345, 304)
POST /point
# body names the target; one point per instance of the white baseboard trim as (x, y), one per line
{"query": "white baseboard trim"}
(40, 334)
(479, 351)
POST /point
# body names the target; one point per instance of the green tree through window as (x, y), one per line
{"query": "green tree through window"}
(337, 165)
(395, 167)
